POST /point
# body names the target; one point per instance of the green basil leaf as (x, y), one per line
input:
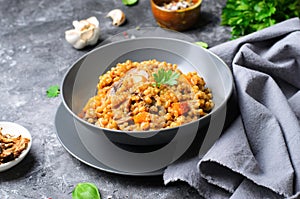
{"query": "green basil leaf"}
(129, 2)
(86, 191)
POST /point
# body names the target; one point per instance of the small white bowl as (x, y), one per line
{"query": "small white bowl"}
(15, 130)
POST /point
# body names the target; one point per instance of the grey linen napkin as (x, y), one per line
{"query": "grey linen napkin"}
(258, 154)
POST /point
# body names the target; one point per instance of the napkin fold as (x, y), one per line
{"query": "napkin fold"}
(258, 154)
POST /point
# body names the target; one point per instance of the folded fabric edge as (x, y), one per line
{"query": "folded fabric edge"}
(186, 171)
(215, 182)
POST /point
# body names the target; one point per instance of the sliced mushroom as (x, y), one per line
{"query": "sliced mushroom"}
(134, 74)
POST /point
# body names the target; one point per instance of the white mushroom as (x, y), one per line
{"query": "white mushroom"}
(117, 16)
(85, 32)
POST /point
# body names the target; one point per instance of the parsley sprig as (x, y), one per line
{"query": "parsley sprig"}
(165, 77)
(247, 16)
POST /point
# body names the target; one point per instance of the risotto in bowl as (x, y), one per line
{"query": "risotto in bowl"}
(147, 95)
(144, 91)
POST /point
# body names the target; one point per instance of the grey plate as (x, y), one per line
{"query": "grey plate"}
(103, 145)
(68, 136)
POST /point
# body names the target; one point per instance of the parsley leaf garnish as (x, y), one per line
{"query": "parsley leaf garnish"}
(165, 77)
(53, 91)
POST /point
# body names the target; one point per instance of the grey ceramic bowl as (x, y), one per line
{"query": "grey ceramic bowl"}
(79, 84)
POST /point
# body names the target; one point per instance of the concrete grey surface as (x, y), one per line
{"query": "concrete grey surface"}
(35, 55)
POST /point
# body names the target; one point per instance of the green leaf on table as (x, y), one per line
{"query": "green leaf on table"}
(129, 2)
(202, 44)
(86, 191)
(53, 91)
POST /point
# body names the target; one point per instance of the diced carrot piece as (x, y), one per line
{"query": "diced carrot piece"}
(141, 117)
(181, 107)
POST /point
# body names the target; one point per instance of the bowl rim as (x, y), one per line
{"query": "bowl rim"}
(25, 133)
(175, 11)
(223, 103)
